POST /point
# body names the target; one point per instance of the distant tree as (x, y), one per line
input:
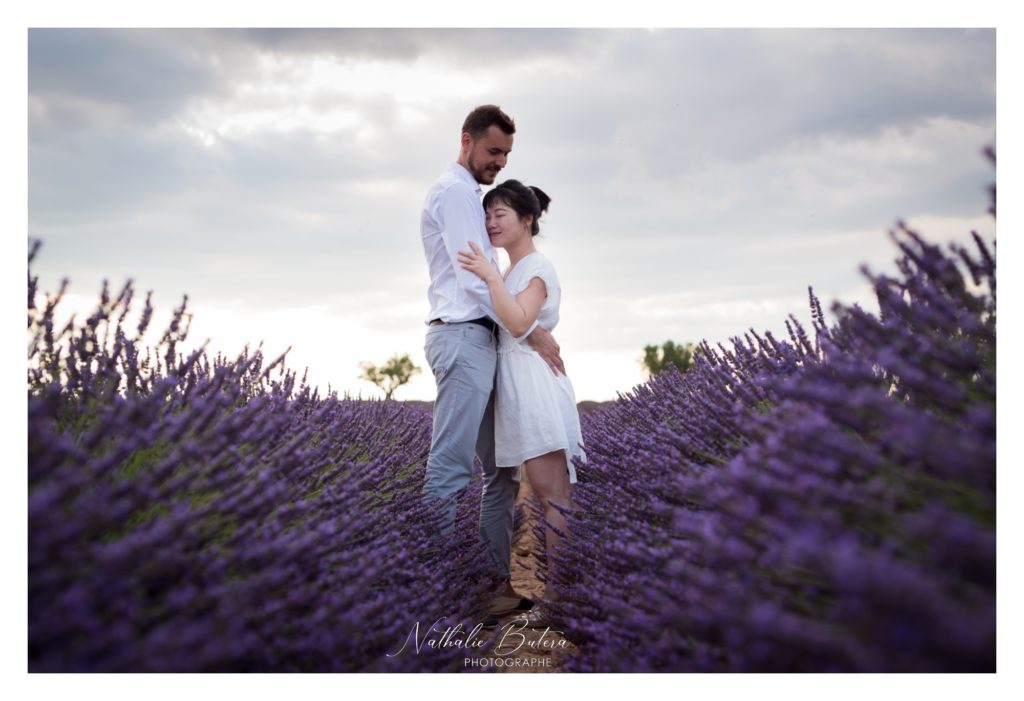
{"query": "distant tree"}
(397, 371)
(657, 359)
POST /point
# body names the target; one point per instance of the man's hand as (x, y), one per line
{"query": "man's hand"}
(544, 343)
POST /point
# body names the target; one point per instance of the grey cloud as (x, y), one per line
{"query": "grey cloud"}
(682, 97)
(148, 73)
(484, 46)
(248, 214)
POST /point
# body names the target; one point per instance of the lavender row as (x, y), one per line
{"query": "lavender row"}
(212, 514)
(820, 503)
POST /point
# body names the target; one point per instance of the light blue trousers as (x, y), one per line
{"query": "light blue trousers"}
(463, 358)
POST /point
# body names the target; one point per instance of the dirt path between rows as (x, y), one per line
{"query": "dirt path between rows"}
(520, 649)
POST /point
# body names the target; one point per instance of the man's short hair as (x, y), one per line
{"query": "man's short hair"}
(479, 120)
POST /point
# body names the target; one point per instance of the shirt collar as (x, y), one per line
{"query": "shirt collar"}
(465, 176)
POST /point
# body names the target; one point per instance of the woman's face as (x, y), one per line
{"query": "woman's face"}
(504, 226)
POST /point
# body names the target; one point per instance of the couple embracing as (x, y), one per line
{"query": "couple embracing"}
(502, 392)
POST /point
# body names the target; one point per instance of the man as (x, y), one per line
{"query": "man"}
(461, 344)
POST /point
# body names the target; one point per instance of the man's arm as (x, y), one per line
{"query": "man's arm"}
(463, 219)
(544, 343)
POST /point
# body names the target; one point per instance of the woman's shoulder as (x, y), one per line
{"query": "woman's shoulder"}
(540, 262)
(540, 266)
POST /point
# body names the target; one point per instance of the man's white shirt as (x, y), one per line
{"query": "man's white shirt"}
(452, 217)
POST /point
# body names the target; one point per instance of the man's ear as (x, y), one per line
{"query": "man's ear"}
(467, 141)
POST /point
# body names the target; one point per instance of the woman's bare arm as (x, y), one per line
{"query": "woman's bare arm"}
(517, 313)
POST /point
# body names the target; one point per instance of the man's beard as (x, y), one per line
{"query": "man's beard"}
(484, 176)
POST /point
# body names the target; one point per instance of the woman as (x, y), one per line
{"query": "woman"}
(535, 419)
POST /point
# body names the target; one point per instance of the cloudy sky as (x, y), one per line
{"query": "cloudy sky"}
(701, 179)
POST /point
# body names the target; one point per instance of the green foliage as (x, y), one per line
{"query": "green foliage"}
(397, 371)
(657, 359)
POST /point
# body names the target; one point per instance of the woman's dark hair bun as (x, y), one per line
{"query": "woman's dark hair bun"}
(542, 198)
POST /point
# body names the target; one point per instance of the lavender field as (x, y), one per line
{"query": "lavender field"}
(824, 502)
(198, 514)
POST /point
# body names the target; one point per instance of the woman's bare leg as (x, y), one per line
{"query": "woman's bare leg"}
(549, 477)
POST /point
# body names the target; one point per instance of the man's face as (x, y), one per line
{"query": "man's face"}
(488, 154)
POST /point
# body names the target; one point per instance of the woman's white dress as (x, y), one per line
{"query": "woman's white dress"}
(534, 411)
